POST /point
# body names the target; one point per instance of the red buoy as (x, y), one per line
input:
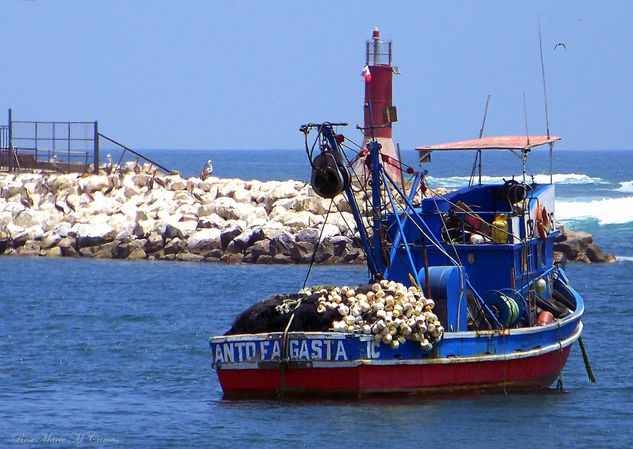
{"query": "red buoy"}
(544, 318)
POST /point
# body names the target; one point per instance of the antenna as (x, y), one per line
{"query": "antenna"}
(540, 43)
(527, 131)
(481, 131)
(478, 153)
(527, 135)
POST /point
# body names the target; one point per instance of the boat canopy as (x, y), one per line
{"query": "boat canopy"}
(493, 143)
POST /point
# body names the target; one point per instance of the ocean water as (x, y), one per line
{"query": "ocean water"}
(100, 353)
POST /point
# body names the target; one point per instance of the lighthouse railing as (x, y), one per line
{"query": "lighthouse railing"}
(378, 53)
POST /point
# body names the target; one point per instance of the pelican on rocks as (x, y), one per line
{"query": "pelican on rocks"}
(207, 170)
(110, 165)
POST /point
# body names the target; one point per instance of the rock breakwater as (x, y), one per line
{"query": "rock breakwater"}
(149, 215)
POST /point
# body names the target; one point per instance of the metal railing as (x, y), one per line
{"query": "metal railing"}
(58, 146)
(66, 146)
(4, 146)
(126, 149)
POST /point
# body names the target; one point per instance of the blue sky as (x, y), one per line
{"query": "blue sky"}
(238, 74)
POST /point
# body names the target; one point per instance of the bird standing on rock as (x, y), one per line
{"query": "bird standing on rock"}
(207, 170)
(25, 199)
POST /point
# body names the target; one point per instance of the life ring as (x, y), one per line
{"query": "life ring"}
(542, 222)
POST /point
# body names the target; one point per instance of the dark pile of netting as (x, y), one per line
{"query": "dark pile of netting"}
(273, 313)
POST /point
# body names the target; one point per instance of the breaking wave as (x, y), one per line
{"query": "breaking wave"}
(605, 211)
(626, 187)
(558, 178)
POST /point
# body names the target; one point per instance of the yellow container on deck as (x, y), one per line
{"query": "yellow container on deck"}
(499, 229)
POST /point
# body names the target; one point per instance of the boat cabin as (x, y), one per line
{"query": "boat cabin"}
(495, 237)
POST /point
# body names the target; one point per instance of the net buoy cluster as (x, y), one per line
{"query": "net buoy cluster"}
(389, 310)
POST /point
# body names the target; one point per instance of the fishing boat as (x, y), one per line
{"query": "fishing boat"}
(463, 292)
(483, 254)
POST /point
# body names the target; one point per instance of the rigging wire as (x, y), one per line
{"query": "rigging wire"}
(317, 245)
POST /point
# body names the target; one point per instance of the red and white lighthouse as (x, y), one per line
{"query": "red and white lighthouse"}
(379, 111)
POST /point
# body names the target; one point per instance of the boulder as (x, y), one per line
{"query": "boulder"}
(300, 220)
(281, 259)
(569, 249)
(67, 247)
(243, 196)
(212, 220)
(282, 244)
(175, 246)
(172, 231)
(224, 207)
(188, 257)
(176, 183)
(308, 235)
(29, 248)
(353, 255)
(595, 254)
(215, 254)
(153, 243)
(325, 253)
(265, 259)
(286, 189)
(49, 240)
(203, 241)
(228, 234)
(229, 188)
(241, 242)
(121, 250)
(29, 218)
(94, 234)
(106, 250)
(137, 254)
(301, 252)
(583, 238)
(232, 258)
(55, 251)
(261, 248)
(340, 245)
(64, 229)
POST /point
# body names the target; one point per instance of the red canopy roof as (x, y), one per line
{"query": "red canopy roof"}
(494, 143)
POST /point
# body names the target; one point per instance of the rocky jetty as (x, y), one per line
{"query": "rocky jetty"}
(143, 214)
(140, 213)
(579, 246)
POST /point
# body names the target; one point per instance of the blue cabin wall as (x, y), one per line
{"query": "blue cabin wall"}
(488, 266)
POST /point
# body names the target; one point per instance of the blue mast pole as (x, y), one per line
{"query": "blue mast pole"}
(376, 179)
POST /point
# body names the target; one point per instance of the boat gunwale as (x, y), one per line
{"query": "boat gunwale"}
(575, 315)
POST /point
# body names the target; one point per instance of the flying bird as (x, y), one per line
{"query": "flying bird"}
(561, 44)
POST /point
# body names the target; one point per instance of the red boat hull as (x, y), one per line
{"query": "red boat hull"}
(514, 374)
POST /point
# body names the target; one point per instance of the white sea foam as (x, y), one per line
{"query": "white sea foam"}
(558, 178)
(606, 211)
(627, 259)
(626, 187)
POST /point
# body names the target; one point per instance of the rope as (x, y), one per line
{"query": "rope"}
(586, 360)
(318, 243)
(559, 384)
(505, 364)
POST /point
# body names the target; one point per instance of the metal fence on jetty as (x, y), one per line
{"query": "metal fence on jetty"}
(56, 146)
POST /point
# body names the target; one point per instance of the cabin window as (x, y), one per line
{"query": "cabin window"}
(541, 254)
